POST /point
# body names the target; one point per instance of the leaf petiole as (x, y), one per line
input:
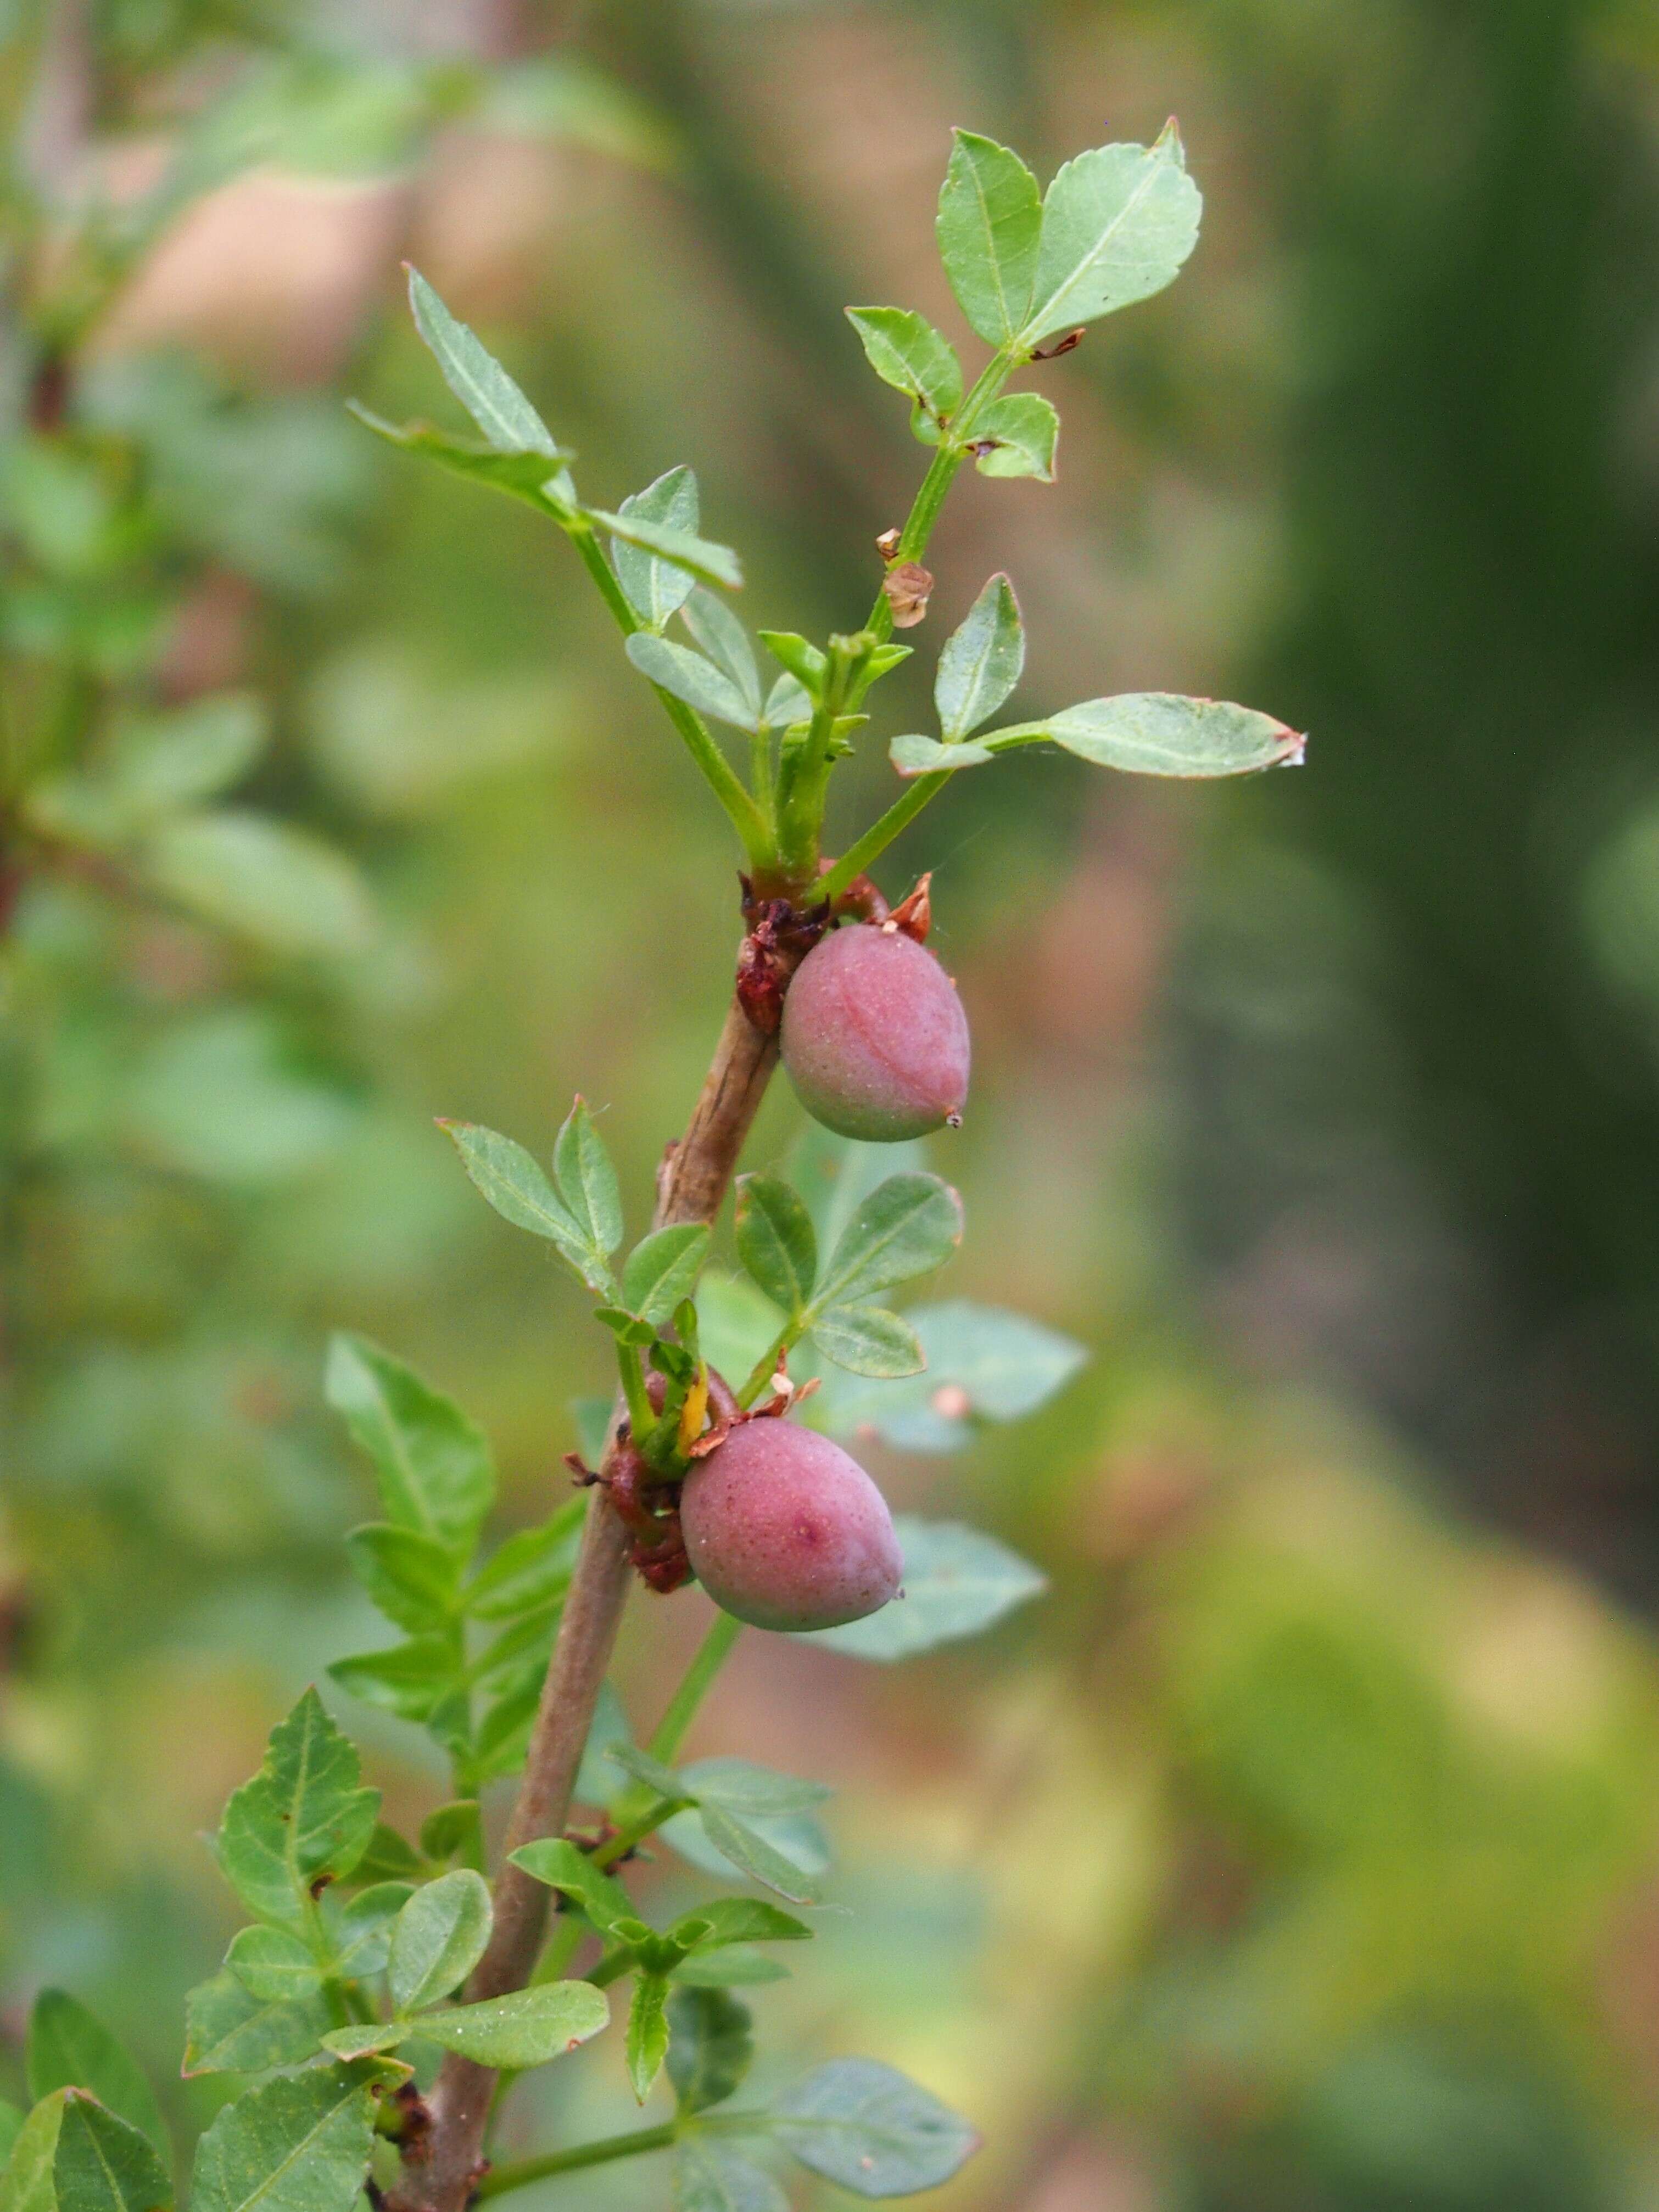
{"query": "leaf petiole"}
(519, 2176)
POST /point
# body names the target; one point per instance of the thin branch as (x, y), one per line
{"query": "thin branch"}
(692, 1183)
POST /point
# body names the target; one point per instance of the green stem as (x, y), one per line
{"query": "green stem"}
(612, 1968)
(881, 833)
(503, 2177)
(767, 1366)
(745, 816)
(712, 1655)
(936, 484)
(561, 1947)
(642, 1415)
(635, 1831)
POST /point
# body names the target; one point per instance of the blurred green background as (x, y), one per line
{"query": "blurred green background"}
(1300, 1852)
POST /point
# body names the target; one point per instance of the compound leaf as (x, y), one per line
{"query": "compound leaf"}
(303, 1817)
(711, 2046)
(872, 2128)
(432, 1464)
(981, 661)
(439, 1936)
(297, 2144)
(658, 589)
(776, 1242)
(990, 220)
(908, 1225)
(868, 1340)
(1118, 222)
(1017, 436)
(70, 2048)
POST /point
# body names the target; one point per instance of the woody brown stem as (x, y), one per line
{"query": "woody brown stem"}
(695, 1175)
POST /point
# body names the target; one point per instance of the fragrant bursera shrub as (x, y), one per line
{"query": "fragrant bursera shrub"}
(874, 1036)
(706, 1457)
(785, 1530)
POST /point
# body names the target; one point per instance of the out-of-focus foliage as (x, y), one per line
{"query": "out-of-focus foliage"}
(1299, 1856)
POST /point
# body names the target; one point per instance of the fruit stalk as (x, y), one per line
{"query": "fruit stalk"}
(690, 1186)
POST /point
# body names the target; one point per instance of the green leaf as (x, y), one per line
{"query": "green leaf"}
(25, 2183)
(870, 2129)
(753, 1855)
(734, 1965)
(70, 2048)
(787, 702)
(455, 1832)
(915, 755)
(721, 637)
(676, 669)
(655, 1776)
(411, 1680)
(599, 1895)
(908, 1225)
(1015, 436)
(484, 387)
(365, 2038)
(525, 2028)
(663, 1269)
(983, 1364)
(981, 661)
(432, 1465)
(228, 2030)
(11, 2126)
(388, 1858)
(303, 1818)
(99, 2162)
(647, 2032)
(360, 1932)
(740, 1786)
(1160, 734)
(262, 879)
(273, 1964)
(868, 1340)
(727, 1920)
(159, 761)
(299, 2144)
(414, 1578)
(439, 1937)
(588, 1182)
(700, 557)
(906, 351)
(805, 662)
(776, 1241)
(990, 218)
(711, 2049)
(531, 1570)
(534, 476)
(516, 1187)
(709, 2176)
(1118, 222)
(958, 1582)
(657, 589)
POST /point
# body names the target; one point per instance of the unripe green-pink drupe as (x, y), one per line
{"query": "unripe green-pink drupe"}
(785, 1531)
(875, 1038)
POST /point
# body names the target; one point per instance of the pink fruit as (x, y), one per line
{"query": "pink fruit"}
(874, 1036)
(784, 1531)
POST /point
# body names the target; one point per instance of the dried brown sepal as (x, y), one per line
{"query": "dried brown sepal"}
(909, 587)
(781, 935)
(1069, 343)
(861, 900)
(914, 916)
(888, 544)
